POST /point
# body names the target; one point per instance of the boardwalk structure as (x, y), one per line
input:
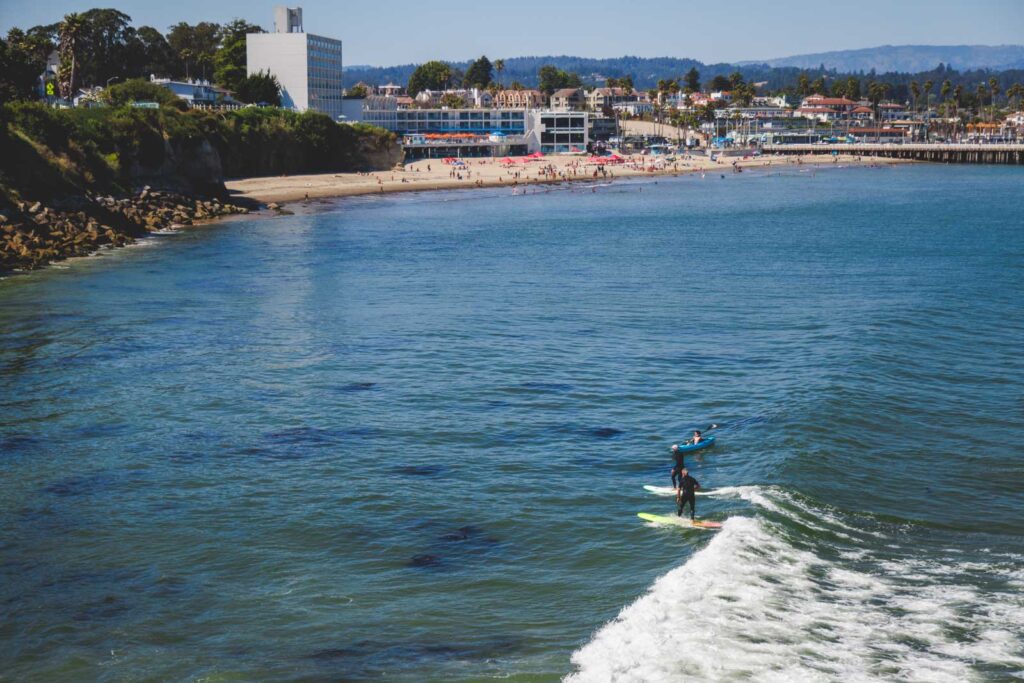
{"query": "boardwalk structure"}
(949, 153)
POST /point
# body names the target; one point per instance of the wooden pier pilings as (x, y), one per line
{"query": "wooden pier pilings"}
(1012, 154)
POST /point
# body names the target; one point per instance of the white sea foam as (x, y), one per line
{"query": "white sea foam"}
(751, 606)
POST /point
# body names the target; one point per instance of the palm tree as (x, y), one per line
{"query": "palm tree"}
(993, 87)
(69, 33)
(1014, 93)
(926, 88)
(915, 91)
(981, 91)
(499, 66)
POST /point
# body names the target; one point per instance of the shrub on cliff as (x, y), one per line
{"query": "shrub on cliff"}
(138, 90)
(47, 152)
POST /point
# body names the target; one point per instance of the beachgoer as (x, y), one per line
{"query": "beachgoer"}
(686, 493)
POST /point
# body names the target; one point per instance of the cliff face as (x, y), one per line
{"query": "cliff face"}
(192, 166)
(70, 179)
(379, 154)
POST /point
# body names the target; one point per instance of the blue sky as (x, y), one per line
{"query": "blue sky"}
(388, 32)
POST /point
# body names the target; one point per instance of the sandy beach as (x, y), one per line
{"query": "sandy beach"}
(434, 174)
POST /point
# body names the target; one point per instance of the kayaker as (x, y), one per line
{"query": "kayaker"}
(697, 438)
(677, 465)
(687, 493)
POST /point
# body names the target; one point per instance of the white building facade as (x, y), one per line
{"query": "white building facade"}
(308, 66)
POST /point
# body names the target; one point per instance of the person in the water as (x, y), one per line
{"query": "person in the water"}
(677, 465)
(687, 493)
(697, 438)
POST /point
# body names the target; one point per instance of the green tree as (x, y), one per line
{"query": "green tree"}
(22, 59)
(499, 67)
(229, 61)
(452, 101)
(432, 75)
(691, 81)
(259, 88)
(195, 46)
(151, 55)
(719, 83)
(356, 92)
(735, 80)
(915, 92)
(1014, 94)
(72, 29)
(138, 90)
(479, 74)
(105, 46)
(803, 87)
(551, 78)
(926, 90)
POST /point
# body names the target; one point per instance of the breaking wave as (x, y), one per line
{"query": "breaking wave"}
(797, 593)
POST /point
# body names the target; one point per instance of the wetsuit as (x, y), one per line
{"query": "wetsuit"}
(677, 468)
(687, 494)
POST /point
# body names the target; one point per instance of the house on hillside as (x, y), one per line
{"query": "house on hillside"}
(568, 99)
(519, 99)
(197, 93)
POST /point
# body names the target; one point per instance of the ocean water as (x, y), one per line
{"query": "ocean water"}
(405, 438)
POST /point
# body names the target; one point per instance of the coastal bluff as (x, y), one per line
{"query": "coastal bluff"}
(72, 181)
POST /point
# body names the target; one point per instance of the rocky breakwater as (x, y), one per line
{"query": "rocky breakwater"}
(33, 235)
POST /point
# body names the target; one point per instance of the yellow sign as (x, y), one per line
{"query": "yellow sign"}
(50, 90)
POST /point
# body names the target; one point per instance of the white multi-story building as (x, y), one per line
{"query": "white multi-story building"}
(479, 132)
(307, 66)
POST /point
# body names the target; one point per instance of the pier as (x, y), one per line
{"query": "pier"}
(954, 153)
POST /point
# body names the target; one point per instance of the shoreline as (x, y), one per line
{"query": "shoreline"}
(429, 175)
(136, 217)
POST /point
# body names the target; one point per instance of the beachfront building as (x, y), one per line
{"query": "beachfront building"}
(307, 66)
(438, 133)
(561, 132)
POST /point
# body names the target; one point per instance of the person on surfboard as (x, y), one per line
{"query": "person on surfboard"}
(677, 466)
(687, 493)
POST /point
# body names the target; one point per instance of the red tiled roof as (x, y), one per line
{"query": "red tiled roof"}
(820, 99)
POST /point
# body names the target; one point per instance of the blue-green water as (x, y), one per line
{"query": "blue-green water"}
(404, 438)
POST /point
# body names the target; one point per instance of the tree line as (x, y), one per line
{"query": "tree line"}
(100, 47)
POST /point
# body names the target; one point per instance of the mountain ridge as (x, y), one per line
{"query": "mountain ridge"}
(904, 58)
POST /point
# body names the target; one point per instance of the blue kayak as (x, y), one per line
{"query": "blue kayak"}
(704, 443)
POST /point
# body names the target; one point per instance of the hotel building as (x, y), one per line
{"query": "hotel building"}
(432, 133)
(307, 66)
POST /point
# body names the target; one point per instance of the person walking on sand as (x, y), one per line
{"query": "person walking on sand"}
(687, 493)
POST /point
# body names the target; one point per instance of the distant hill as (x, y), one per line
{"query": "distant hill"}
(908, 58)
(894, 64)
(645, 71)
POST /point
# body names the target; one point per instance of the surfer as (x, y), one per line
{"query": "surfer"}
(677, 466)
(687, 493)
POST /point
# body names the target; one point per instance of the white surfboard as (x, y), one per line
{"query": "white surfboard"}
(669, 491)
